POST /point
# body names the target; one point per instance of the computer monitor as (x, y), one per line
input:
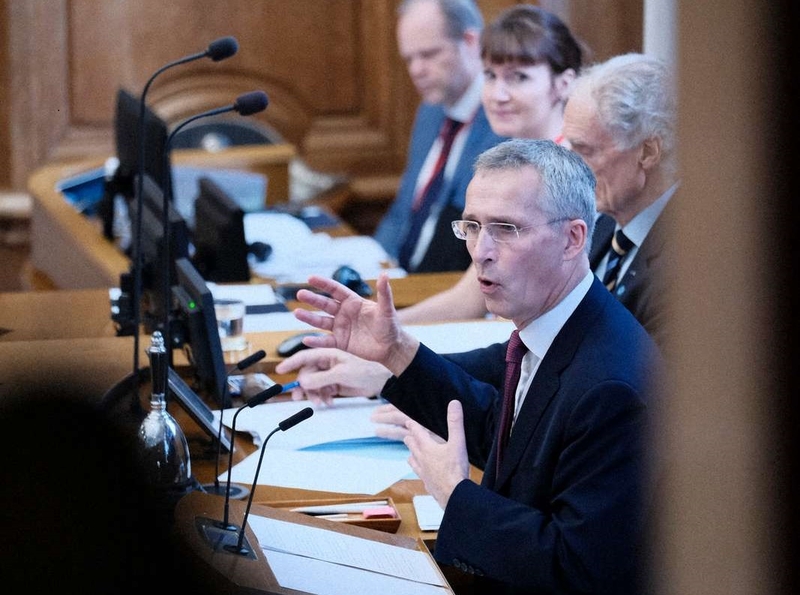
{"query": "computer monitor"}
(127, 131)
(152, 252)
(220, 248)
(201, 342)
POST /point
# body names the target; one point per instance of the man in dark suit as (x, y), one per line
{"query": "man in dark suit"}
(621, 118)
(562, 505)
(439, 40)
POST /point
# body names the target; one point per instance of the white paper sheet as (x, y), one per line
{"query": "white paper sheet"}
(347, 419)
(429, 513)
(320, 471)
(297, 252)
(330, 563)
(252, 294)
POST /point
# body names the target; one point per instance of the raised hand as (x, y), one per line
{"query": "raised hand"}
(440, 464)
(366, 328)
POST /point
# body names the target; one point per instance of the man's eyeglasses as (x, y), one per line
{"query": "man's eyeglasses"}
(499, 232)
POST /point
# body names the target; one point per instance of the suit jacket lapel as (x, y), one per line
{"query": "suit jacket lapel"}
(651, 249)
(601, 239)
(547, 381)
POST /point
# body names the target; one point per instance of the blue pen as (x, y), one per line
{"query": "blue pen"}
(270, 392)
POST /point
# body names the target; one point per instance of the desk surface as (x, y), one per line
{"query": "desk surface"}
(68, 250)
(96, 364)
(66, 336)
(81, 313)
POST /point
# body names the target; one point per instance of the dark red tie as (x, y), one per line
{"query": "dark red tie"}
(421, 207)
(514, 353)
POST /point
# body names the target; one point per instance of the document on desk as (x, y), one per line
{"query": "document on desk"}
(334, 450)
(252, 294)
(316, 560)
(319, 471)
(264, 312)
(429, 513)
(297, 252)
(347, 419)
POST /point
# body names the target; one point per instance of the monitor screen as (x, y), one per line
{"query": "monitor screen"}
(220, 249)
(126, 128)
(152, 251)
(201, 342)
(114, 213)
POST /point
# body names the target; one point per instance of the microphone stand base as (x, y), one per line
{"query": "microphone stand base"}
(224, 539)
(237, 492)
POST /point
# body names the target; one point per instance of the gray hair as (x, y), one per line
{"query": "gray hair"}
(567, 182)
(634, 98)
(459, 15)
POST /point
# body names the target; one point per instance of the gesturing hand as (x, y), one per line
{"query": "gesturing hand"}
(440, 464)
(325, 373)
(390, 422)
(359, 326)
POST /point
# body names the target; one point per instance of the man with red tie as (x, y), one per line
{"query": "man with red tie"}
(439, 40)
(558, 417)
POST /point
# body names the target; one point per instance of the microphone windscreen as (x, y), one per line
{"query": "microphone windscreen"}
(251, 103)
(295, 419)
(265, 395)
(222, 48)
(250, 360)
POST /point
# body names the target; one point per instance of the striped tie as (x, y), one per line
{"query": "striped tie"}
(620, 246)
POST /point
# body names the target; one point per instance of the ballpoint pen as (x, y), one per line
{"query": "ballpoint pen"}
(325, 509)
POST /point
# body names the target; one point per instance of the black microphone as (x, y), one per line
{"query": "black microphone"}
(219, 49)
(216, 488)
(246, 105)
(222, 48)
(283, 426)
(261, 397)
(265, 395)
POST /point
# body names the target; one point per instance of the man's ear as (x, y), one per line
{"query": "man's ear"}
(576, 238)
(650, 153)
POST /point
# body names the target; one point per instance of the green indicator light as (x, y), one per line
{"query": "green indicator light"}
(192, 304)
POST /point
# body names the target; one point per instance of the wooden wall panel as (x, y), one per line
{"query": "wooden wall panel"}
(338, 90)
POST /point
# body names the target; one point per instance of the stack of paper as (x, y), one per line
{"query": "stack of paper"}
(297, 252)
(320, 453)
(429, 513)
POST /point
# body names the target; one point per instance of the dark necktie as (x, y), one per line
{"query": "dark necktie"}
(423, 201)
(514, 353)
(620, 246)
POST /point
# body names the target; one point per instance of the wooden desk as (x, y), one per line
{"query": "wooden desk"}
(69, 251)
(97, 364)
(85, 313)
(55, 314)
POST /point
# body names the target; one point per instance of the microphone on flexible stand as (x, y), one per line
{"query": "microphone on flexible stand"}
(246, 105)
(261, 397)
(217, 50)
(215, 488)
(288, 423)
